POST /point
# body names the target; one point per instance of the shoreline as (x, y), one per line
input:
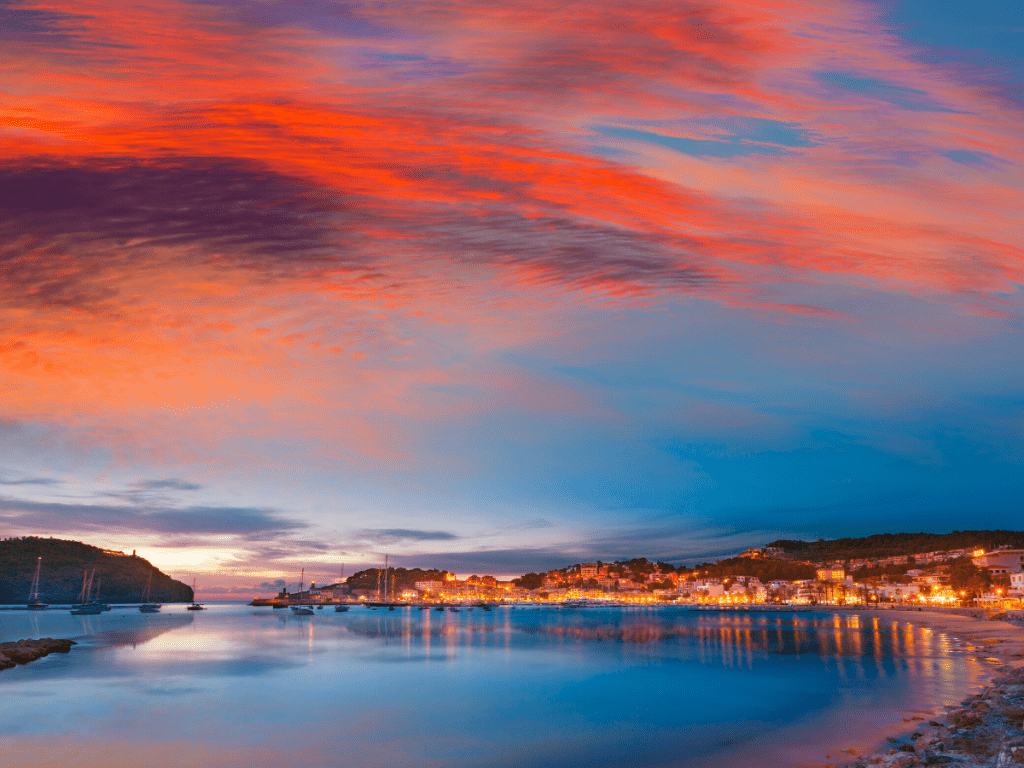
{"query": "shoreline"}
(987, 728)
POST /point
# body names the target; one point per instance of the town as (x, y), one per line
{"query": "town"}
(766, 576)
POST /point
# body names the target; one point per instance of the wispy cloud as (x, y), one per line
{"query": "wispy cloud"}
(169, 484)
(395, 535)
(196, 520)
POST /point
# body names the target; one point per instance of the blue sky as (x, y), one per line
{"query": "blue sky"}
(507, 286)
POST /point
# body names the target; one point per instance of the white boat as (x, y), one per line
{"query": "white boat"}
(34, 603)
(95, 602)
(301, 610)
(83, 608)
(195, 606)
(148, 607)
(340, 608)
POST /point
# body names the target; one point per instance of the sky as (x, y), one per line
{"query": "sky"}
(505, 286)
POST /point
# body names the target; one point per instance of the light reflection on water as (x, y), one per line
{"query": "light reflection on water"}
(531, 687)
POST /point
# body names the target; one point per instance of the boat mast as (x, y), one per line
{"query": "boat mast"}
(85, 575)
(380, 575)
(34, 593)
(387, 573)
(302, 578)
(88, 588)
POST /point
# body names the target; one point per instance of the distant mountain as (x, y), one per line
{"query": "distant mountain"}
(122, 577)
(892, 544)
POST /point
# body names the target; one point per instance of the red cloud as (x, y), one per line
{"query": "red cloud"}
(192, 196)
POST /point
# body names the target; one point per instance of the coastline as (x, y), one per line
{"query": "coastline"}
(986, 729)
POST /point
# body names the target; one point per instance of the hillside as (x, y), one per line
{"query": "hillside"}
(123, 576)
(398, 578)
(892, 544)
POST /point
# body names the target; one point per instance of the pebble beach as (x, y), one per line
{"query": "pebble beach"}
(986, 729)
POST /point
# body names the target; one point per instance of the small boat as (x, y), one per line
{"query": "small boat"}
(195, 606)
(453, 608)
(92, 608)
(340, 608)
(95, 601)
(302, 610)
(439, 608)
(148, 607)
(319, 607)
(34, 603)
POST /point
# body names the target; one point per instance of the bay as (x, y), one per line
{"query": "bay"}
(538, 687)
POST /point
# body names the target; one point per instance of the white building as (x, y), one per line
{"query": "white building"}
(1017, 583)
(1000, 561)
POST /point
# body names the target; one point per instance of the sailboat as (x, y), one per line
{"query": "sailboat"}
(387, 599)
(148, 607)
(195, 606)
(34, 603)
(341, 607)
(95, 601)
(83, 608)
(301, 610)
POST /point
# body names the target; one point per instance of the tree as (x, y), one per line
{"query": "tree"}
(967, 578)
(530, 581)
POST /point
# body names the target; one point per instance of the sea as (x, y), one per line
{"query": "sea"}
(523, 686)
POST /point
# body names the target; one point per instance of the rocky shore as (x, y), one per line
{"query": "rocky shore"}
(987, 729)
(24, 651)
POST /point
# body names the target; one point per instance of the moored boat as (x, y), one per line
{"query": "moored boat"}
(91, 608)
(148, 607)
(34, 603)
(195, 606)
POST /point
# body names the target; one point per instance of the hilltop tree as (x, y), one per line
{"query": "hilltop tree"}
(529, 581)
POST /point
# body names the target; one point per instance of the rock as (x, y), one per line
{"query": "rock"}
(24, 651)
(21, 655)
(961, 718)
(903, 761)
(916, 735)
(905, 747)
(926, 741)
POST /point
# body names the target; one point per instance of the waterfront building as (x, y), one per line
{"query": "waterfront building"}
(1017, 584)
(834, 573)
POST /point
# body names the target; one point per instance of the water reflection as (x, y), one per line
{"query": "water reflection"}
(554, 687)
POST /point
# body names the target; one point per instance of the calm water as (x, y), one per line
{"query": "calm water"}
(530, 687)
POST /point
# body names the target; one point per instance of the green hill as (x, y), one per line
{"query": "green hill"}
(122, 577)
(893, 544)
